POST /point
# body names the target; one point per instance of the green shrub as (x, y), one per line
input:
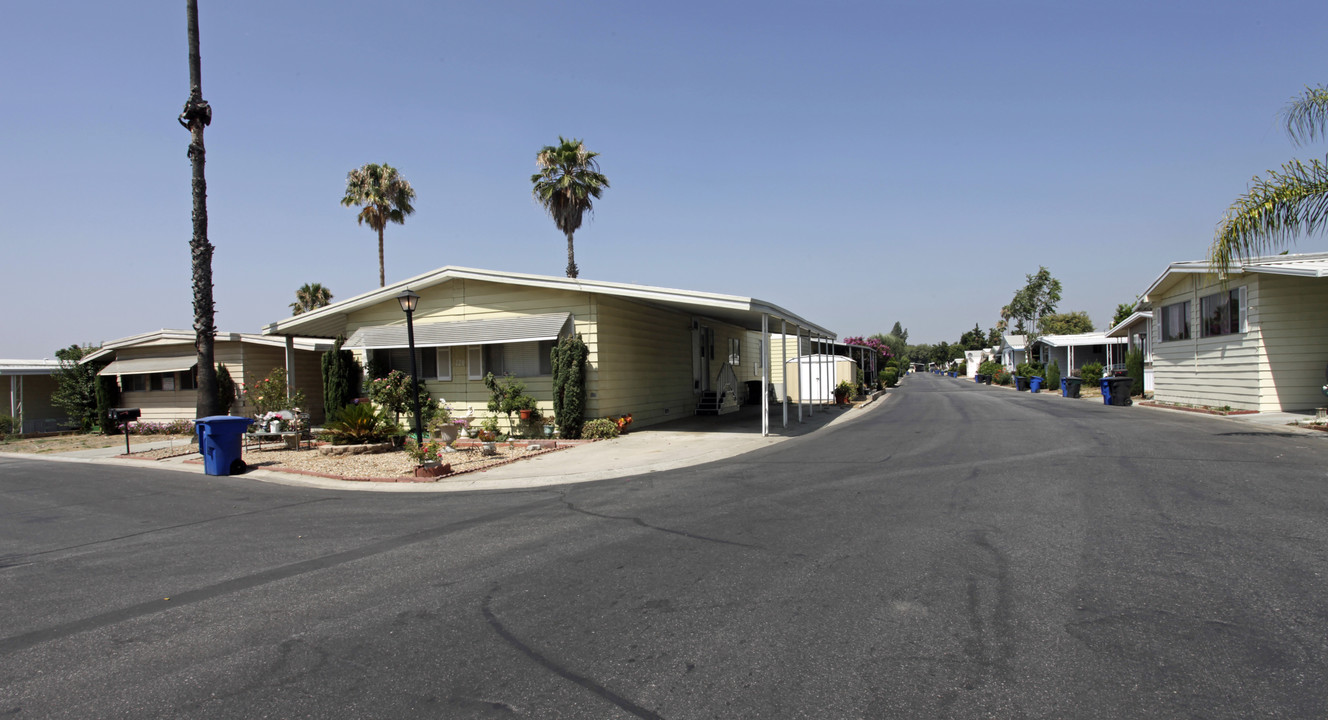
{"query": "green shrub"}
(963, 369)
(7, 424)
(989, 368)
(1091, 373)
(108, 393)
(1028, 369)
(1002, 376)
(890, 376)
(1052, 375)
(1134, 367)
(340, 372)
(599, 429)
(361, 423)
(269, 394)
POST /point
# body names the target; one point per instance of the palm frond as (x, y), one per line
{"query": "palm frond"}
(1277, 208)
(1306, 116)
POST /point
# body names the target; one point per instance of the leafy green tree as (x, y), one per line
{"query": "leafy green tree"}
(310, 296)
(1123, 310)
(568, 182)
(76, 386)
(569, 358)
(993, 337)
(1284, 204)
(1070, 323)
(1038, 297)
(973, 339)
(899, 331)
(384, 196)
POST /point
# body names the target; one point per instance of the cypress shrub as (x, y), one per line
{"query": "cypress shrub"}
(1053, 376)
(1134, 367)
(225, 390)
(107, 395)
(339, 376)
(569, 384)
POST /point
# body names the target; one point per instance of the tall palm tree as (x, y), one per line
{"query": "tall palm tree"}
(1285, 203)
(568, 180)
(196, 116)
(310, 296)
(385, 197)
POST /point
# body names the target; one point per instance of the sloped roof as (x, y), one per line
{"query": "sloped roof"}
(529, 328)
(1313, 265)
(1015, 342)
(744, 312)
(144, 366)
(167, 338)
(1121, 328)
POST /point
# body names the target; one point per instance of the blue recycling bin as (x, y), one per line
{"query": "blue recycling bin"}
(1034, 384)
(219, 441)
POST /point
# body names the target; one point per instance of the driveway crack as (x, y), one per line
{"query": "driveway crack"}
(644, 524)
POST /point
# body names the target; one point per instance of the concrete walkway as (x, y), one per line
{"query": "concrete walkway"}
(668, 446)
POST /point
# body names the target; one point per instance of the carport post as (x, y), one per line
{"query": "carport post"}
(765, 375)
(783, 365)
(290, 367)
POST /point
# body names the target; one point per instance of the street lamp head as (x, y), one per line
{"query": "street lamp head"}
(408, 301)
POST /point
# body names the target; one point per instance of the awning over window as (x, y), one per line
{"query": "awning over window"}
(526, 328)
(144, 366)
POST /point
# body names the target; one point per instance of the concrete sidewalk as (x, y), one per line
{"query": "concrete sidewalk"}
(681, 443)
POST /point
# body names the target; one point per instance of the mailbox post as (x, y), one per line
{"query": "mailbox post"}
(124, 415)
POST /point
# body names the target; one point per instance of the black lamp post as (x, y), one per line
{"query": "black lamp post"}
(408, 301)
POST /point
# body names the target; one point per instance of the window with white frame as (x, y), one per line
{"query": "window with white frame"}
(443, 358)
(1176, 321)
(475, 362)
(525, 359)
(1222, 313)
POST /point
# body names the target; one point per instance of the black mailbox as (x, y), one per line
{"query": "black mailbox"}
(125, 414)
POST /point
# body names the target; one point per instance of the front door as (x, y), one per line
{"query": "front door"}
(703, 348)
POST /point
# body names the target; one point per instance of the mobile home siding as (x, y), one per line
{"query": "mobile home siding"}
(647, 369)
(1210, 371)
(1292, 315)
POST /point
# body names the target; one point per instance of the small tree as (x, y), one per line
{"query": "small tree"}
(1052, 375)
(569, 358)
(270, 393)
(1070, 323)
(1037, 298)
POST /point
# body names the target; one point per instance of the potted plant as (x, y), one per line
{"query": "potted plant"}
(443, 427)
(427, 458)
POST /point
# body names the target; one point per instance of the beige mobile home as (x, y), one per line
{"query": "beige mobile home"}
(156, 371)
(1255, 339)
(655, 353)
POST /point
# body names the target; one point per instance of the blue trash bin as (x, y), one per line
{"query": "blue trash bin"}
(219, 441)
(1064, 392)
(1106, 391)
(1034, 384)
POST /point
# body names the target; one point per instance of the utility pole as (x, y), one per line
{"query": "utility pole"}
(196, 116)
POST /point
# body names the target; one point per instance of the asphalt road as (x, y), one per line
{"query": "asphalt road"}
(962, 551)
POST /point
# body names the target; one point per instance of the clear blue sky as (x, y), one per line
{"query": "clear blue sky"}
(857, 163)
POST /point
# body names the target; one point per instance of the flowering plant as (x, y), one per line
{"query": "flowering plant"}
(430, 451)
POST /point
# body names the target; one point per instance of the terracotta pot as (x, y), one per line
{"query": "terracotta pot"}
(433, 469)
(525, 414)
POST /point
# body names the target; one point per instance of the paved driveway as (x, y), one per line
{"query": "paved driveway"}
(963, 551)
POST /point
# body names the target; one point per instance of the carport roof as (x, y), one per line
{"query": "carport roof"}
(744, 312)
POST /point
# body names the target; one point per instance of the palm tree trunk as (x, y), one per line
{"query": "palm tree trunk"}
(198, 114)
(571, 258)
(382, 277)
